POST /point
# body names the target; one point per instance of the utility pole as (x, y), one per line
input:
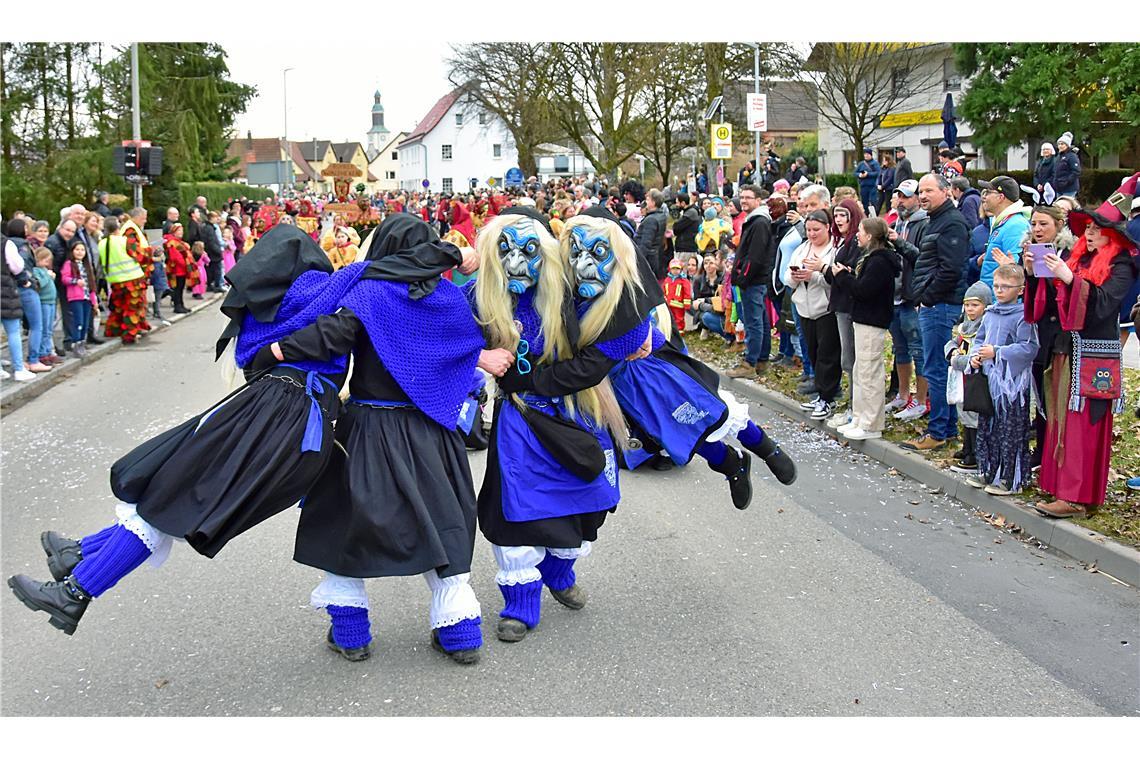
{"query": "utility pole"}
(136, 126)
(284, 127)
(755, 135)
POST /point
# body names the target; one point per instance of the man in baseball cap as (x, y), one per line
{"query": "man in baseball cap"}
(1001, 199)
(907, 188)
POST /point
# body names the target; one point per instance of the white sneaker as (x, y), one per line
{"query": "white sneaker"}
(704, 334)
(822, 410)
(839, 419)
(809, 405)
(912, 411)
(900, 402)
(24, 376)
(842, 429)
(859, 434)
(4, 375)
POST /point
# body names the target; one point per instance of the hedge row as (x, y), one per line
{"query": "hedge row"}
(1096, 184)
(217, 193)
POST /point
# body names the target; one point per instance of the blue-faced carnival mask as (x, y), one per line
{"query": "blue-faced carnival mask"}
(592, 259)
(521, 254)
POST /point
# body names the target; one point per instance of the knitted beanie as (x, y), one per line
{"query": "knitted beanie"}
(979, 291)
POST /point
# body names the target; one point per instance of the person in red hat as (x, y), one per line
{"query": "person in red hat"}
(1083, 385)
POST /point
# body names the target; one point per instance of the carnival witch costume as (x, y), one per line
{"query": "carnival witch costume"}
(551, 474)
(672, 401)
(399, 499)
(219, 474)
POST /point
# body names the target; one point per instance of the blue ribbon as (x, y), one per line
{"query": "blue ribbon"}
(314, 425)
(381, 403)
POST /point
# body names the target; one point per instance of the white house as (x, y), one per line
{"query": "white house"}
(916, 124)
(385, 164)
(454, 146)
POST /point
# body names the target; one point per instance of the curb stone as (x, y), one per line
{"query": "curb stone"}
(1057, 536)
(17, 394)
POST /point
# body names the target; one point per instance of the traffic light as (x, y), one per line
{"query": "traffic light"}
(131, 160)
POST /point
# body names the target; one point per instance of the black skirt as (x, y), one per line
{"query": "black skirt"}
(242, 466)
(400, 502)
(557, 532)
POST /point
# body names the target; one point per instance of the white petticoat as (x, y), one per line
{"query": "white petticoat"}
(158, 542)
(737, 418)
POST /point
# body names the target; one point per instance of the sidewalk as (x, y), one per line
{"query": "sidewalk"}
(14, 394)
(1096, 551)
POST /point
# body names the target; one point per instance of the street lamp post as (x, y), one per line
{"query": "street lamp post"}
(284, 123)
(756, 72)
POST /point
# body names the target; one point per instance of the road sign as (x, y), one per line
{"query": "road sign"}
(426, 184)
(514, 176)
(491, 181)
(757, 105)
(721, 136)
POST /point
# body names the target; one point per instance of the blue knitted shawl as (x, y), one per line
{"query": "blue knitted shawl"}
(430, 345)
(311, 295)
(621, 346)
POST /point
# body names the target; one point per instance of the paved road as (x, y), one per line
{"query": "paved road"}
(823, 599)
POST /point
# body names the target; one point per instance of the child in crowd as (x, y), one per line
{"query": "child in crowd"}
(44, 277)
(344, 248)
(978, 297)
(80, 292)
(1004, 349)
(228, 248)
(678, 293)
(179, 266)
(197, 279)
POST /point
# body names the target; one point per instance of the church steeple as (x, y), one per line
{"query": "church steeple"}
(378, 133)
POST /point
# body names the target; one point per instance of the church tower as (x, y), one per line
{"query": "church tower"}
(378, 133)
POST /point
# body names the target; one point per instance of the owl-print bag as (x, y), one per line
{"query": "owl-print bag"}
(1097, 368)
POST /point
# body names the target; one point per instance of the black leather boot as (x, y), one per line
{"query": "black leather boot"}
(737, 468)
(64, 600)
(778, 462)
(63, 554)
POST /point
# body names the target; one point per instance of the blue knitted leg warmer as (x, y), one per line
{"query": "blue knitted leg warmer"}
(466, 634)
(122, 552)
(751, 436)
(524, 602)
(88, 545)
(350, 626)
(557, 573)
(713, 453)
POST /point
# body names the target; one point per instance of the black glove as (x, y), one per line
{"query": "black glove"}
(515, 382)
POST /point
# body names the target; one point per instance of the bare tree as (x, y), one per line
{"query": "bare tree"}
(672, 100)
(508, 80)
(595, 92)
(858, 83)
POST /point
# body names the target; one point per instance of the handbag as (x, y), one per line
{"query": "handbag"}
(718, 301)
(1097, 368)
(955, 386)
(976, 394)
(578, 450)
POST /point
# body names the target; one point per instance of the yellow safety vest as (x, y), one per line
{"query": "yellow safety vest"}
(118, 266)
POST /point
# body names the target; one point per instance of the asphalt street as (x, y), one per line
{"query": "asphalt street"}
(853, 593)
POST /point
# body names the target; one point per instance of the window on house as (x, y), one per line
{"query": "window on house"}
(898, 82)
(497, 150)
(445, 152)
(395, 155)
(951, 79)
(391, 175)
(447, 187)
(484, 119)
(459, 120)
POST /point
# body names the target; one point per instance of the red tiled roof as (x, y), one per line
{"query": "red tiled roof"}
(307, 171)
(429, 122)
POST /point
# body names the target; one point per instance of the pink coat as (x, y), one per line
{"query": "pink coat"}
(76, 285)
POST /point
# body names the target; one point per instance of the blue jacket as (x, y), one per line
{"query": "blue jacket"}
(887, 180)
(1006, 234)
(872, 179)
(969, 205)
(1067, 173)
(1043, 172)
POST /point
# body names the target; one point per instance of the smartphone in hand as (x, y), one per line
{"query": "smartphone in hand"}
(1040, 251)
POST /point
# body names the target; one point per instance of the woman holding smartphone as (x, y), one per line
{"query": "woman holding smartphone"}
(811, 295)
(1046, 228)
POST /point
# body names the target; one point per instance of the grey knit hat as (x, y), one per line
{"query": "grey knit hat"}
(979, 291)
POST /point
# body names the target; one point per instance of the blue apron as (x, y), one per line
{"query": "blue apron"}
(535, 485)
(675, 410)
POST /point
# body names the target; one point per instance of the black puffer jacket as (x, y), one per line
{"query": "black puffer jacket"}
(9, 293)
(685, 231)
(940, 271)
(871, 288)
(756, 253)
(651, 241)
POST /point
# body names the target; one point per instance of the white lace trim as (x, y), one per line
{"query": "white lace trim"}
(339, 591)
(158, 542)
(581, 552)
(452, 599)
(737, 417)
(517, 564)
